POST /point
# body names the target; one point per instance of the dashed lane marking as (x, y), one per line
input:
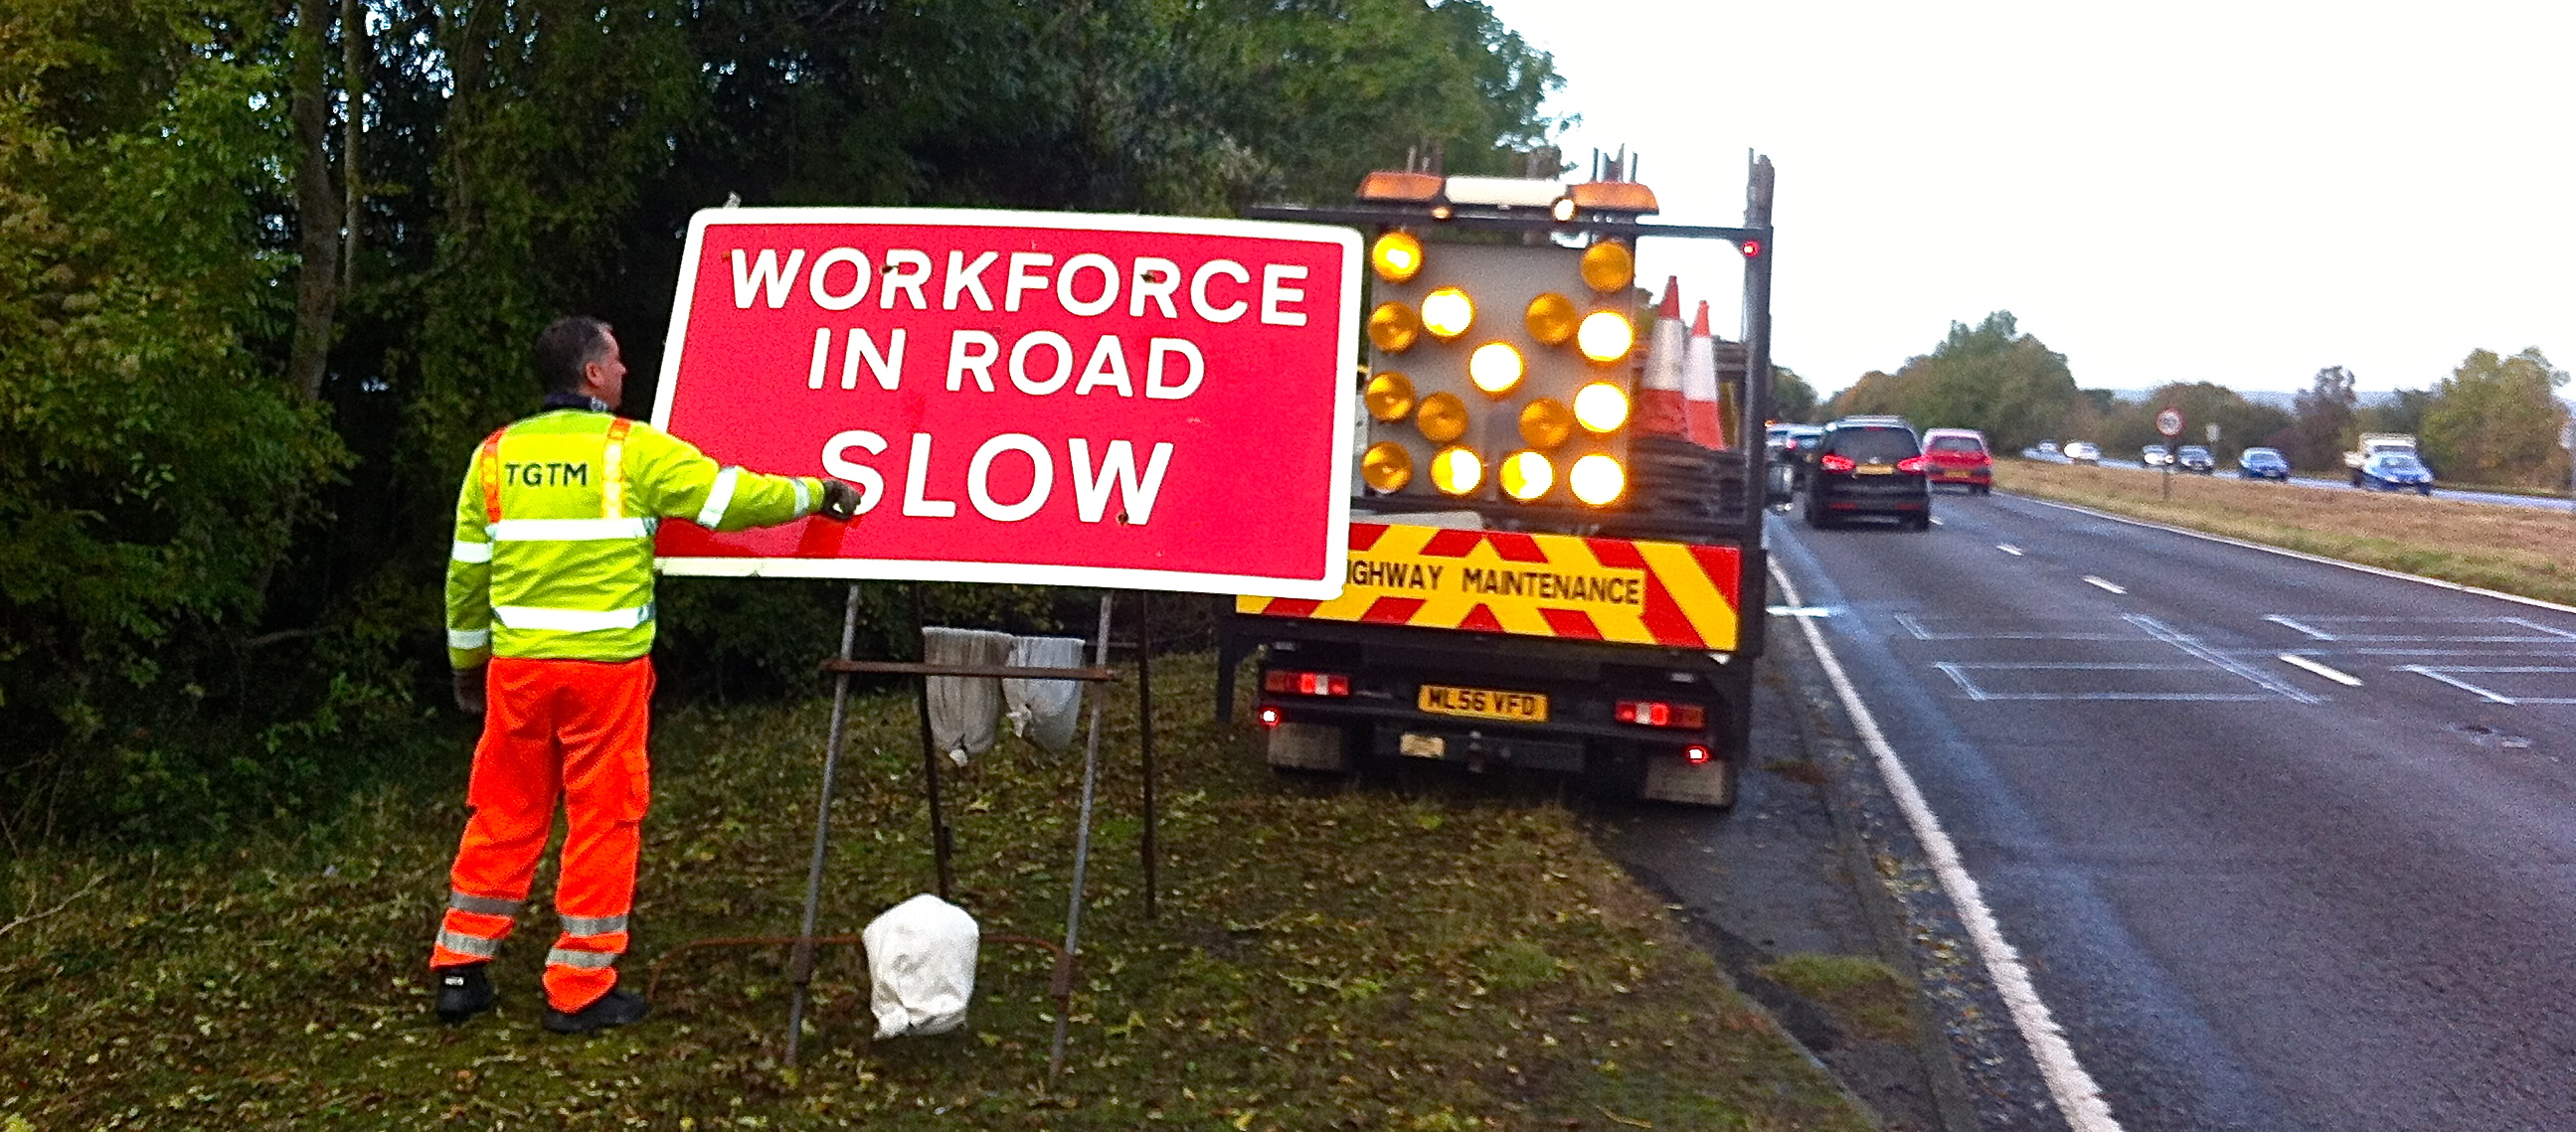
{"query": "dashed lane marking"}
(2090, 580)
(2009, 548)
(2338, 676)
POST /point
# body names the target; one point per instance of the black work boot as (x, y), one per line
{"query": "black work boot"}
(463, 992)
(616, 1008)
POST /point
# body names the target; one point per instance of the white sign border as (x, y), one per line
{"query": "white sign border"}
(1337, 524)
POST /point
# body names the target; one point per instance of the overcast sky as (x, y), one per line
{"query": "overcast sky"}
(2232, 192)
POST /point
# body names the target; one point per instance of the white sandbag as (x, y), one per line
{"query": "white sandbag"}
(1044, 712)
(921, 960)
(965, 711)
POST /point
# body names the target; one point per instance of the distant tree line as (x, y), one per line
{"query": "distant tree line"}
(269, 267)
(2494, 421)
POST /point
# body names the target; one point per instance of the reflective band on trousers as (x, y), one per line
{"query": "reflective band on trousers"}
(591, 960)
(804, 496)
(470, 552)
(468, 638)
(571, 620)
(473, 945)
(719, 497)
(568, 530)
(483, 905)
(593, 925)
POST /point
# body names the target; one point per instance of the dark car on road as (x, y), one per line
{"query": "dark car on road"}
(1869, 466)
(2194, 458)
(2263, 464)
(2396, 471)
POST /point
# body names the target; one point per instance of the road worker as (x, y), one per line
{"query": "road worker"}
(550, 623)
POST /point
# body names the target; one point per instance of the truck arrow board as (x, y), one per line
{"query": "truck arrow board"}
(1592, 589)
(1039, 398)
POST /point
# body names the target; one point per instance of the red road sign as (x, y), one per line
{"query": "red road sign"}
(1042, 398)
(2169, 422)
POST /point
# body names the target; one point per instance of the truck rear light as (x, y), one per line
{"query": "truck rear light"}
(1270, 717)
(1833, 463)
(1695, 754)
(1656, 713)
(1288, 683)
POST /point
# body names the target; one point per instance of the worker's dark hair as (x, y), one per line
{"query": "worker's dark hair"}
(564, 348)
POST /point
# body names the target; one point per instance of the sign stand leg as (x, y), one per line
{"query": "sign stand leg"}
(1081, 847)
(802, 966)
(1145, 724)
(939, 838)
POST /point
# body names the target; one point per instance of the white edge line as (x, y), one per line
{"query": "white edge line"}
(2077, 1097)
(2337, 675)
(2538, 603)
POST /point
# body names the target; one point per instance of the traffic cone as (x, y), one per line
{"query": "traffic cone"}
(1699, 385)
(1660, 410)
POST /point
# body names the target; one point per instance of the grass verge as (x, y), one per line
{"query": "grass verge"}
(2529, 551)
(1324, 958)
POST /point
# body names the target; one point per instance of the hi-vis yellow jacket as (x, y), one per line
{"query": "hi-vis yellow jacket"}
(553, 558)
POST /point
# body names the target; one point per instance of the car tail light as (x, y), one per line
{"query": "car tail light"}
(1656, 713)
(1912, 464)
(1290, 683)
(1270, 717)
(1832, 463)
(1697, 755)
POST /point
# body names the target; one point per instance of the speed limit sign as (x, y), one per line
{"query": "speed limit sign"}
(2168, 422)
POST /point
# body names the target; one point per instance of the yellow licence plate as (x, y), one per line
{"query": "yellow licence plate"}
(1874, 470)
(1483, 703)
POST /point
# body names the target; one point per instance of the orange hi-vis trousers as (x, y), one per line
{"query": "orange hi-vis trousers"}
(572, 730)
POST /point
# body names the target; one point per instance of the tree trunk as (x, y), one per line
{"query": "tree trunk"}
(354, 59)
(318, 207)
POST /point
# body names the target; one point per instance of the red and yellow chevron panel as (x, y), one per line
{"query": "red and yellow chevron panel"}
(1590, 589)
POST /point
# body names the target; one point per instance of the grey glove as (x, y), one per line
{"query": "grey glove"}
(469, 690)
(840, 502)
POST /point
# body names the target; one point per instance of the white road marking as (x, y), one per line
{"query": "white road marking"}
(2340, 677)
(2078, 1099)
(1936, 521)
(1958, 674)
(1799, 610)
(2462, 685)
(2534, 625)
(2090, 580)
(2442, 674)
(2184, 642)
(2009, 548)
(2318, 634)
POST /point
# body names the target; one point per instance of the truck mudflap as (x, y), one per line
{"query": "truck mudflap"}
(1570, 587)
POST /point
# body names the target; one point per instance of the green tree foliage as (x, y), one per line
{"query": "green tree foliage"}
(1792, 399)
(2496, 420)
(2322, 428)
(153, 461)
(1990, 377)
(218, 590)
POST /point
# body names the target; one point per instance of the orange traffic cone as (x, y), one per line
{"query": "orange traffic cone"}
(1699, 385)
(1660, 410)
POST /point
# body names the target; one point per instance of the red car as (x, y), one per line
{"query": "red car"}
(1958, 456)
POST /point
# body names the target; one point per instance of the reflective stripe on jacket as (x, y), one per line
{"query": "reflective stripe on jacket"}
(553, 554)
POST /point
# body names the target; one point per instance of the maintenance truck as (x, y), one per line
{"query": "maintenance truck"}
(1553, 565)
(2372, 444)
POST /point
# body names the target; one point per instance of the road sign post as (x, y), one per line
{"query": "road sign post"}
(2169, 422)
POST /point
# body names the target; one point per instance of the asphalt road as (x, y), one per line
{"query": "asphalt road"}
(2255, 896)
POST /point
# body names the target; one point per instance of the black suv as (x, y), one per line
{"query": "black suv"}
(1868, 466)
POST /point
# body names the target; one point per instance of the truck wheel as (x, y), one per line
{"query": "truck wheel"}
(1309, 746)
